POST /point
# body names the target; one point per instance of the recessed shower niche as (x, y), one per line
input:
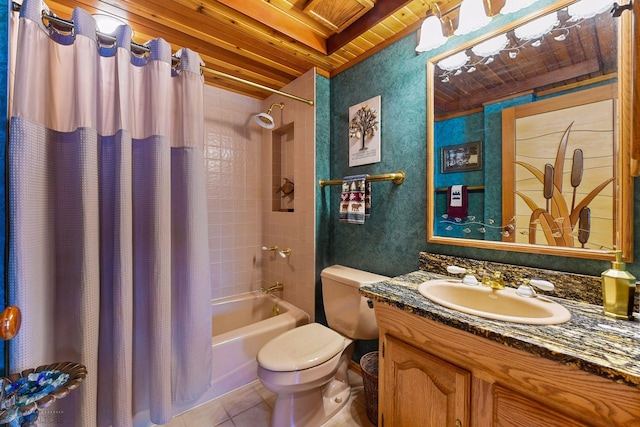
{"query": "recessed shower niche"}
(282, 169)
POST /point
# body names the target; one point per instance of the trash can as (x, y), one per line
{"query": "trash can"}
(369, 366)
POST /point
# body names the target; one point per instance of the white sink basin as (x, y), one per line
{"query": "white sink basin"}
(502, 304)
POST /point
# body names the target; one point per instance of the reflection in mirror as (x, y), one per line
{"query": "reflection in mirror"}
(561, 170)
(526, 145)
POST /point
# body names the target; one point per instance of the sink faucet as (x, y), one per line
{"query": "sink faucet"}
(526, 289)
(468, 279)
(277, 287)
(495, 281)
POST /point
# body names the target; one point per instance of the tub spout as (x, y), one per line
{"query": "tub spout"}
(277, 287)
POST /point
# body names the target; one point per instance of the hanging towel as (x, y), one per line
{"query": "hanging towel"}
(458, 201)
(355, 199)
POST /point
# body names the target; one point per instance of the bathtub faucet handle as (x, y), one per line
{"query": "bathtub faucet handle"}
(284, 252)
(279, 286)
(270, 248)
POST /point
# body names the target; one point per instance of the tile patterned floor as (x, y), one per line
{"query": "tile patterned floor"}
(251, 406)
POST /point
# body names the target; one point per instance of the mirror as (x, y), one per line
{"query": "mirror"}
(528, 140)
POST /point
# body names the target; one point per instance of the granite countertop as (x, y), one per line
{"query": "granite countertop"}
(590, 341)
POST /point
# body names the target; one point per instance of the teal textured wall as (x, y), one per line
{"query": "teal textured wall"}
(389, 242)
(454, 131)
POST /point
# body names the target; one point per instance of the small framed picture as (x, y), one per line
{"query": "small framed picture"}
(461, 157)
(364, 132)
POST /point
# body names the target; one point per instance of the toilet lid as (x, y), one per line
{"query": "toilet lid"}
(301, 348)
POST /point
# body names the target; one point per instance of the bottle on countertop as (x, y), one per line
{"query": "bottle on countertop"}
(618, 290)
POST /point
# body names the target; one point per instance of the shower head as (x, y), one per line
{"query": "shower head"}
(265, 120)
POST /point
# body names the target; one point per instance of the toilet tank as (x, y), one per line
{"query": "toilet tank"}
(347, 311)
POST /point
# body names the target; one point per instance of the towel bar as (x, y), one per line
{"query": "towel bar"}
(397, 178)
(469, 188)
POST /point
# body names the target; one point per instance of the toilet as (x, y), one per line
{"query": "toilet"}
(306, 367)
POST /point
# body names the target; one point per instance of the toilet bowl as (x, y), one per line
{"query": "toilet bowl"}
(307, 366)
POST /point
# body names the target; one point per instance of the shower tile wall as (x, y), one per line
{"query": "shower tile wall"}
(232, 153)
(295, 230)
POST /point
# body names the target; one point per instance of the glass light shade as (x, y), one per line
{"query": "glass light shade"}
(537, 28)
(472, 17)
(107, 24)
(511, 6)
(491, 46)
(454, 62)
(586, 9)
(431, 35)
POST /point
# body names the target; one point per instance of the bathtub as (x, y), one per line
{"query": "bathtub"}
(241, 325)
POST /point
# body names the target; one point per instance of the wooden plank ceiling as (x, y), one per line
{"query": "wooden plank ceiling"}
(269, 42)
(273, 42)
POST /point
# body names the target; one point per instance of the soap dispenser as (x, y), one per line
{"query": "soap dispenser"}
(618, 290)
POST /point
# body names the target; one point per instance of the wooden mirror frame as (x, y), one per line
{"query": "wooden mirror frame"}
(626, 119)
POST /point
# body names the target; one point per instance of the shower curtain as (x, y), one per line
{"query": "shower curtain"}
(108, 248)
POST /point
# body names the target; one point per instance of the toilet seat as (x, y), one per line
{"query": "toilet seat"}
(301, 348)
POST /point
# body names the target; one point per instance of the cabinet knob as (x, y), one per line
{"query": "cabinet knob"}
(458, 423)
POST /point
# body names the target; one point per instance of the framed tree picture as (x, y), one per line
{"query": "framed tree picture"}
(364, 132)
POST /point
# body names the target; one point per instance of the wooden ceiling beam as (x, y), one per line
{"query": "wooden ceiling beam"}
(204, 34)
(263, 12)
(381, 11)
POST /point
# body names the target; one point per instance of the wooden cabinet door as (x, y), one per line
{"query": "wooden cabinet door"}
(422, 390)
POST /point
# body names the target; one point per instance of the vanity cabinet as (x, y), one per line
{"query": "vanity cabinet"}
(434, 375)
(428, 390)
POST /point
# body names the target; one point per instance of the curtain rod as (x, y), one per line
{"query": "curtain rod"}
(142, 48)
(256, 85)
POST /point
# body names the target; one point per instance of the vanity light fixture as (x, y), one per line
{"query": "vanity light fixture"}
(491, 47)
(511, 6)
(431, 35)
(585, 9)
(454, 62)
(472, 17)
(538, 27)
